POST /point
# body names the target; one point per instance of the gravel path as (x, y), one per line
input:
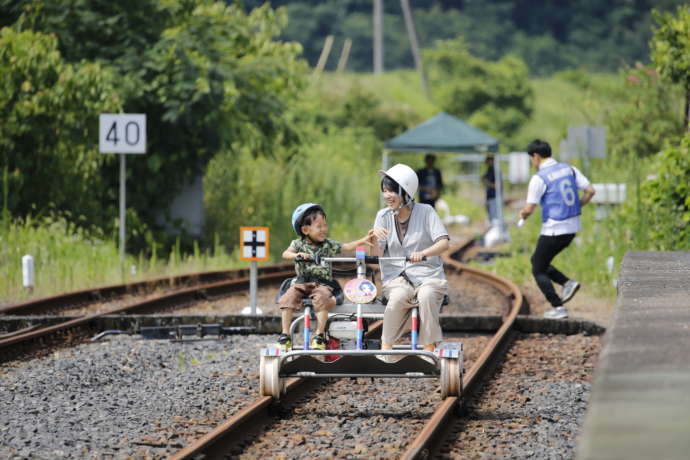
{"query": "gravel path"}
(128, 398)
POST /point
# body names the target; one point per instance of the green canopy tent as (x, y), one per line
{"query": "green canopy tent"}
(444, 133)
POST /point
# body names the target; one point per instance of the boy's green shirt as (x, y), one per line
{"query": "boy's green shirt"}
(310, 271)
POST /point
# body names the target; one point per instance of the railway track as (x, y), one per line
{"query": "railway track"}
(199, 386)
(41, 340)
(86, 297)
(184, 290)
(257, 415)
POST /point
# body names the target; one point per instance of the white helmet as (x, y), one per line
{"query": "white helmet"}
(404, 176)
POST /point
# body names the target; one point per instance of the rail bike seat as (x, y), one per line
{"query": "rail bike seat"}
(285, 285)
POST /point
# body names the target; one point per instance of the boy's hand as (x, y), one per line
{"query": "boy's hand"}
(370, 239)
(302, 255)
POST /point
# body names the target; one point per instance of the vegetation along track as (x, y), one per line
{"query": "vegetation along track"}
(412, 400)
(18, 344)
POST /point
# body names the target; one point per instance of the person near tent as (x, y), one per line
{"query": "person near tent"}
(555, 187)
(430, 181)
(489, 182)
(408, 229)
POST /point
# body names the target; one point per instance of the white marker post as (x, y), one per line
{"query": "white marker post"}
(254, 247)
(122, 133)
(28, 273)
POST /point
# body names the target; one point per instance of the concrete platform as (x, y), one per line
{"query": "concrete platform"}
(640, 401)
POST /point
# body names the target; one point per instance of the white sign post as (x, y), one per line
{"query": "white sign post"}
(122, 133)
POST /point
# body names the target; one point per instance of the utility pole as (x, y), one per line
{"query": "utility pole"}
(325, 52)
(414, 44)
(378, 37)
(344, 55)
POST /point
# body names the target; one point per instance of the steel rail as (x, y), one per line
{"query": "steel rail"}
(218, 441)
(421, 446)
(56, 303)
(77, 329)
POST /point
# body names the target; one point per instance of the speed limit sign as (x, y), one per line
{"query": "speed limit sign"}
(122, 133)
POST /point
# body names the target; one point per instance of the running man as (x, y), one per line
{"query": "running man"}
(555, 188)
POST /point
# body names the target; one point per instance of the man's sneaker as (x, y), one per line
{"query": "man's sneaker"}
(318, 342)
(284, 342)
(556, 313)
(569, 290)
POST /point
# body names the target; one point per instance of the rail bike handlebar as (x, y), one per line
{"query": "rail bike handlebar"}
(367, 259)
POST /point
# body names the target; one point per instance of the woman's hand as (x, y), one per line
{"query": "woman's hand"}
(417, 256)
(380, 233)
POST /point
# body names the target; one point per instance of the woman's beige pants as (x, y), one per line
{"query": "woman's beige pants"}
(402, 296)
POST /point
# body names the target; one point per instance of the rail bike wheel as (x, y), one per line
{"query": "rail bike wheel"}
(451, 377)
(270, 383)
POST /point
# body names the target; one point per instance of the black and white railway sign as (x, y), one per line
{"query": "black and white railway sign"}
(254, 243)
(122, 133)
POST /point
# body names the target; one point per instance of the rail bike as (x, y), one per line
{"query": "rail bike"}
(349, 353)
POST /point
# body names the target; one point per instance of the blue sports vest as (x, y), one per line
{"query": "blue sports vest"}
(561, 200)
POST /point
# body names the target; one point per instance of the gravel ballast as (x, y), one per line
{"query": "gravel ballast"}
(126, 397)
(534, 405)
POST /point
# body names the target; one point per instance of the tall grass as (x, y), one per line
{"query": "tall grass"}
(67, 257)
(336, 169)
(400, 89)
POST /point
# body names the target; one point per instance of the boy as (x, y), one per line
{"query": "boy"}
(313, 281)
(555, 187)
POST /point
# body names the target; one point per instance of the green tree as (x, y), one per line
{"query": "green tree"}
(548, 35)
(209, 76)
(666, 198)
(49, 125)
(648, 116)
(671, 50)
(493, 96)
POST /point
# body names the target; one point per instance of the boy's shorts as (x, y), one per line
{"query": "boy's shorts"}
(321, 296)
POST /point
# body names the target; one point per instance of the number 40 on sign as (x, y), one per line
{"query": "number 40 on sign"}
(122, 133)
